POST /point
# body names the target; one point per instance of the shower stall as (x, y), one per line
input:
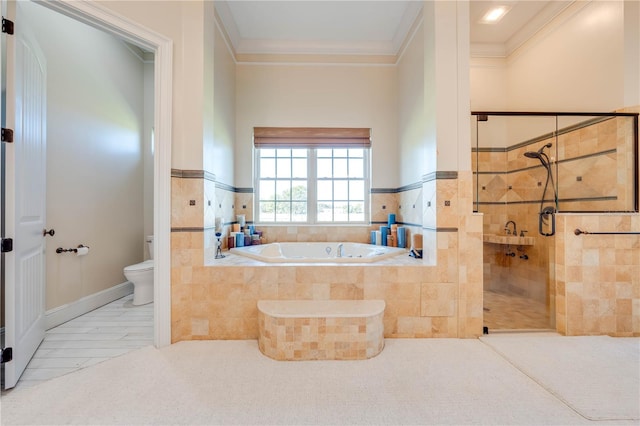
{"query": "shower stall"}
(528, 168)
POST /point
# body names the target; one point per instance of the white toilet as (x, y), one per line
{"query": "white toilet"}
(141, 275)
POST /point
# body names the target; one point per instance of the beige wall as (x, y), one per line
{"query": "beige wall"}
(488, 88)
(446, 89)
(411, 127)
(577, 66)
(318, 96)
(95, 155)
(631, 52)
(221, 153)
(208, 90)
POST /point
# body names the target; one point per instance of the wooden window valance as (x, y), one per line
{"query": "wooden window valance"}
(311, 137)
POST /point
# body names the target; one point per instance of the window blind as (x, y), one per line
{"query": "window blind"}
(311, 137)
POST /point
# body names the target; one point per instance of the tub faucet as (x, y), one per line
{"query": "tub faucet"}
(340, 250)
(506, 228)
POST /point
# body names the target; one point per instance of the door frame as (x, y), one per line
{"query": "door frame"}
(106, 20)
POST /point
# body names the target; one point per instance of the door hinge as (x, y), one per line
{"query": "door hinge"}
(7, 135)
(7, 355)
(7, 26)
(7, 245)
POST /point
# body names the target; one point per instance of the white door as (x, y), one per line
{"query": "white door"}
(25, 207)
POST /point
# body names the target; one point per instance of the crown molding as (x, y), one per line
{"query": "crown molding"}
(540, 21)
(325, 60)
(246, 51)
(487, 62)
(560, 18)
(413, 30)
(229, 28)
(406, 29)
(320, 47)
(488, 50)
(538, 24)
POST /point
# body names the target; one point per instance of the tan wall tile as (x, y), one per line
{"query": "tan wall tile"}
(438, 299)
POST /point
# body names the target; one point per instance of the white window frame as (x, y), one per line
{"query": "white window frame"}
(312, 179)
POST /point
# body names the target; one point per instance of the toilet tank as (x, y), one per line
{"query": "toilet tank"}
(149, 241)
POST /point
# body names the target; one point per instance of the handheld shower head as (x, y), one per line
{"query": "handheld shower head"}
(532, 154)
(539, 153)
(545, 211)
(549, 145)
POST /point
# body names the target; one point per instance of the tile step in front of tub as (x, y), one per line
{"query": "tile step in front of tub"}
(296, 330)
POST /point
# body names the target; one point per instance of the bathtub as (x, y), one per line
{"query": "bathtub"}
(317, 252)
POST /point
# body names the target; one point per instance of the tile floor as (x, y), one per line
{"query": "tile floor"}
(107, 332)
(509, 312)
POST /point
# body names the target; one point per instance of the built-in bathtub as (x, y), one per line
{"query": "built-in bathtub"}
(219, 300)
(318, 252)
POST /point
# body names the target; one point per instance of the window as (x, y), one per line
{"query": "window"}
(283, 180)
(310, 179)
(340, 185)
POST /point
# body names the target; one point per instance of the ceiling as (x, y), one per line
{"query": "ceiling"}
(361, 27)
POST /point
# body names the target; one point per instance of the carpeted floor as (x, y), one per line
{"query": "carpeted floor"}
(412, 382)
(598, 376)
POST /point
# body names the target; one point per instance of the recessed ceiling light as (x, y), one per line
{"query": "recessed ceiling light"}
(495, 14)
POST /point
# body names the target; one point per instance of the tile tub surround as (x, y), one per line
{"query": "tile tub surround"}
(296, 330)
(217, 299)
(220, 302)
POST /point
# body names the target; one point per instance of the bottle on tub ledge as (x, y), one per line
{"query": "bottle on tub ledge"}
(384, 233)
(253, 236)
(247, 237)
(416, 246)
(391, 235)
(392, 231)
(387, 231)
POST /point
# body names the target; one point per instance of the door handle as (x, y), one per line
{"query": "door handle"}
(51, 232)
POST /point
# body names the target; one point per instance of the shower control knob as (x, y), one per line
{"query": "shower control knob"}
(50, 232)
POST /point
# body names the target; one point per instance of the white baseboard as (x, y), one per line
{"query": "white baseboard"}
(64, 313)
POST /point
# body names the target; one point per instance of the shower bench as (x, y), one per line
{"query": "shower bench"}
(320, 329)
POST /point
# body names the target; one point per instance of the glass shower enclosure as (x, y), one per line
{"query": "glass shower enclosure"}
(528, 168)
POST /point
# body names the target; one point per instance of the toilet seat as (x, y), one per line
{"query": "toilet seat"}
(147, 265)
